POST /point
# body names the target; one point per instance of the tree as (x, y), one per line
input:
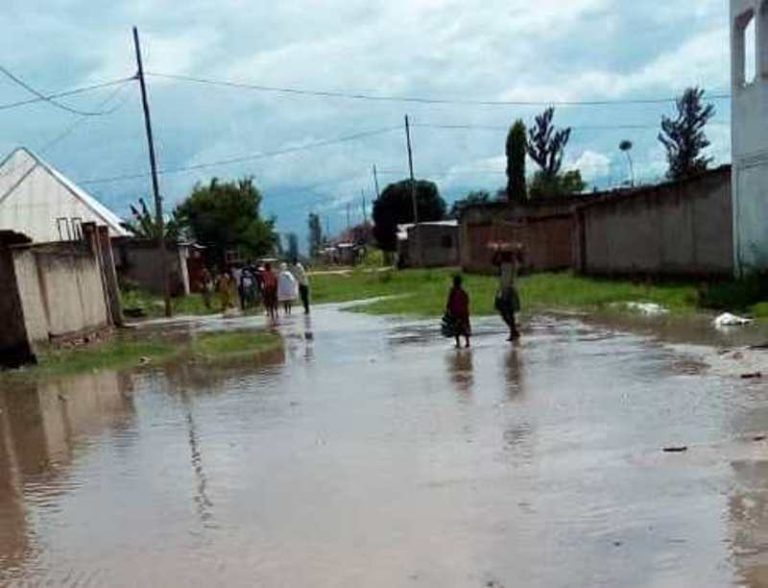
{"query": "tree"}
(476, 197)
(546, 144)
(315, 234)
(395, 207)
(225, 216)
(144, 226)
(565, 184)
(293, 245)
(516, 148)
(684, 138)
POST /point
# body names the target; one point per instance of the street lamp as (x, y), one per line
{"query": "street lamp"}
(626, 147)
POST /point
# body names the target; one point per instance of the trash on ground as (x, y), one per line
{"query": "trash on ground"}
(753, 376)
(646, 308)
(731, 320)
(680, 449)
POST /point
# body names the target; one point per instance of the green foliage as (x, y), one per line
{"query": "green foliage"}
(546, 144)
(683, 137)
(560, 185)
(475, 197)
(144, 226)
(315, 234)
(516, 148)
(738, 295)
(226, 216)
(395, 207)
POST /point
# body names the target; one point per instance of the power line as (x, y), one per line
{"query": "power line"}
(50, 97)
(574, 127)
(417, 99)
(75, 125)
(243, 158)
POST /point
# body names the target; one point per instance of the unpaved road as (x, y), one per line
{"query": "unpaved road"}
(370, 453)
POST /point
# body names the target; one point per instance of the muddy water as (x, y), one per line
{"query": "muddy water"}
(373, 454)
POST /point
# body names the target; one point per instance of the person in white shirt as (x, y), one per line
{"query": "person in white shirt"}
(300, 274)
(287, 288)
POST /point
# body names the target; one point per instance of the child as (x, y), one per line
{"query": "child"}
(458, 310)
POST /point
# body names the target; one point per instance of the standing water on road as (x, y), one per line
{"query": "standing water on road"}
(371, 453)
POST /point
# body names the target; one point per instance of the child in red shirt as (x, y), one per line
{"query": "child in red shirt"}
(458, 309)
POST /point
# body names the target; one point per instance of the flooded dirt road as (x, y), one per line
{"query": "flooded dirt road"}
(370, 453)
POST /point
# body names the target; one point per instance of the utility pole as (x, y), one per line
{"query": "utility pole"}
(365, 208)
(417, 240)
(159, 220)
(376, 182)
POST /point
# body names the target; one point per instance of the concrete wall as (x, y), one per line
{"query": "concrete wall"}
(749, 112)
(61, 289)
(137, 261)
(15, 349)
(681, 228)
(438, 246)
(546, 231)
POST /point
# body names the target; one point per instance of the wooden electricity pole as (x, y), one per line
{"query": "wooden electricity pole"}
(376, 182)
(417, 240)
(159, 220)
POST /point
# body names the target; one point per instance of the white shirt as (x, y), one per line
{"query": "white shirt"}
(300, 274)
(287, 288)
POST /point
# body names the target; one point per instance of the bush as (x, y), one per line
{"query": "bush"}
(738, 295)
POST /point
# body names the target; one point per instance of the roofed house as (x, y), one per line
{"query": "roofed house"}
(39, 201)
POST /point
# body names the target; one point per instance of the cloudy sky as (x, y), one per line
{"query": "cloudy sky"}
(456, 50)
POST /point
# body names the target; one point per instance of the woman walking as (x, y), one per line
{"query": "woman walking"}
(508, 259)
(457, 309)
(287, 289)
(269, 291)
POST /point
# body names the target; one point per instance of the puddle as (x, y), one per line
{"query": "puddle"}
(369, 452)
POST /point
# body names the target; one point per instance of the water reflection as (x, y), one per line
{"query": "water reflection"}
(461, 370)
(748, 513)
(41, 427)
(513, 373)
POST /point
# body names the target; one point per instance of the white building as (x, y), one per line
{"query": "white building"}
(749, 70)
(39, 201)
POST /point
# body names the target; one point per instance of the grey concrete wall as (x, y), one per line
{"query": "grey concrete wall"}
(137, 261)
(682, 228)
(15, 349)
(433, 244)
(61, 289)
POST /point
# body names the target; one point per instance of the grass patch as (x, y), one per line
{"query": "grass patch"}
(234, 345)
(154, 307)
(124, 353)
(424, 292)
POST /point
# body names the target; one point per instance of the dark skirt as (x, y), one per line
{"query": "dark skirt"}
(507, 301)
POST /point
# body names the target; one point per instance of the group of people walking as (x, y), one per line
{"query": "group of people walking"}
(456, 322)
(248, 286)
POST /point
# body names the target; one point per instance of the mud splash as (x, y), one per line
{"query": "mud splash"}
(372, 454)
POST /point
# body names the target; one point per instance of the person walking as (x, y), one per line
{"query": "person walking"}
(457, 309)
(507, 258)
(300, 274)
(287, 289)
(269, 291)
(206, 287)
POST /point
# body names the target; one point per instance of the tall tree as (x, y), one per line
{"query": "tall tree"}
(475, 197)
(516, 148)
(683, 137)
(394, 207)
(225, 216)
(546, 144)
(293, 246)
(315, 234)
